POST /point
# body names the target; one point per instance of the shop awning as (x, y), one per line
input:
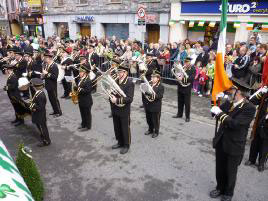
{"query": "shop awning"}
(264, 27)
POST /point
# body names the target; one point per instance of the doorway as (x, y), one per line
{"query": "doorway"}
(153, 33)
(85, 30)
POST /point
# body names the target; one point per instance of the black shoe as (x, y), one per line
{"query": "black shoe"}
(80, 127)
(226, 198)
(52, 113)
(57, 115)
(15, 121)
(148, 132)
(176, 116)
(84, 129)
(141, 106)
(124, 150)
(116, 146)
(64, 96)
(110, 116)
(154, 135)
(261, 168)
(215, 193)
(249, 163)
(44, 144)
(19, 123)
(187, 120)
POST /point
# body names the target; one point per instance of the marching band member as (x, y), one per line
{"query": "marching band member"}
(65, 62)
(14, 95)
(50, 75)
(184, 92)
(85, 101)
(121, 111)
(230, 138)
(259, 144)
(38, 108)
(94, 61)
(153, 105)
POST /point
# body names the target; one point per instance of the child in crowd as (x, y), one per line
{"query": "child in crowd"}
(210, 74)
(196, 79)
(202, 81)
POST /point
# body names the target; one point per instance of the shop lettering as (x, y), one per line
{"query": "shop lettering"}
(84, 18)
(240, 8)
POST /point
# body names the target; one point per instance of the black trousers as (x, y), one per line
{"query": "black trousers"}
(122, 130)
(86, 116)
(44, 132)
(54, 101)
(184, 99)
(258, 147)
(67, 86)
(153, 121)
(226, 170)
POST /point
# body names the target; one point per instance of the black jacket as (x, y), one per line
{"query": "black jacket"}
(51, 77)
(21, 67)
(127, 87)
(191, 74)
(67, 62)
(94, 60)
(234, 125)
(156, 105)
(243, 63)
(262, 124)
(203, 57)
(152, 66)
(38, 107)
(12, 86)
(84, 92)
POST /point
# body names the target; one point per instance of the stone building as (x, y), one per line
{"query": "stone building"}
(105, 18)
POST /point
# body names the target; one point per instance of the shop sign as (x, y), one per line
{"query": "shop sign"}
(12, 185)
(152, 18)
(234, 7)
(84, 19)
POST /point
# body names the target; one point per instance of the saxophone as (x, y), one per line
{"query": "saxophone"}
(74, 93)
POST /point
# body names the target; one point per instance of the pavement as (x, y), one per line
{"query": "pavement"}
(179, 165)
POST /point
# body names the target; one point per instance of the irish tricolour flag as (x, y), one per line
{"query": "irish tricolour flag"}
(221, 80)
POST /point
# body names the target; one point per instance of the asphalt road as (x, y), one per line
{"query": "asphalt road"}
(179, 165)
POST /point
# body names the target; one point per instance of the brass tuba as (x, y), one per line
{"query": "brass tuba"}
(109, 85)
(179, 71)
(146, 88)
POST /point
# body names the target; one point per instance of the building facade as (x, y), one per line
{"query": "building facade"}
(199, 20)
(4, 24)
(105, 18)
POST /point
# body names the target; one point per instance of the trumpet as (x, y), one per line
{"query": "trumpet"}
(178, 71)
(146, 88)
(109, 85)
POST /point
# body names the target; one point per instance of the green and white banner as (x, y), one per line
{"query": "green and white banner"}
(12, 185)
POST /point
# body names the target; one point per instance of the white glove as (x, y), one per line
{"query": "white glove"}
(266, 116)
(215, 110)
(220, 95)
(264, 90)
(24, 74)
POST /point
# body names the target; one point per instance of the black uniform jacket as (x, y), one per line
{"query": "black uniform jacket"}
(36, 67)
(12, 86)
(84, 92)
(67, 62)
(51, 77)
(122, 108)
(234, 124)
(151, 66)
(191, 74)
(94, 60)
(21, 67)
(38, 107)
(262, 124)
(155, 106)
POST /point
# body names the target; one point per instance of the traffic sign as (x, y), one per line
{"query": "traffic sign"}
(141, 13)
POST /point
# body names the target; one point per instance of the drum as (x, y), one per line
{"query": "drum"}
(61, 73)
(23, 84)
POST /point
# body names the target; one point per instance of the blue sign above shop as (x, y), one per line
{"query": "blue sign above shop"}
(234, 7)
(87, 18)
